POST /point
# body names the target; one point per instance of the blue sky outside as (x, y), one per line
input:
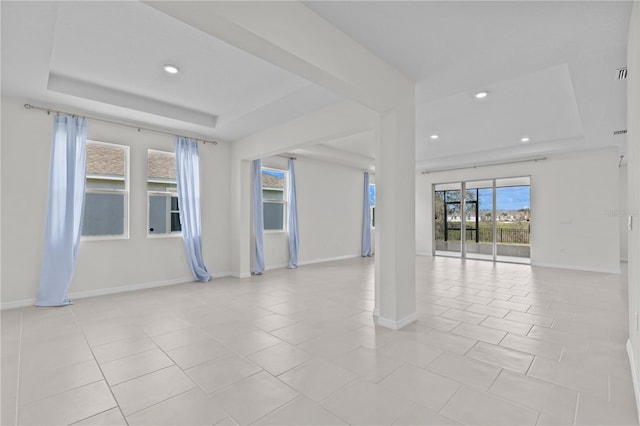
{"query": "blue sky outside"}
(507, 198)
(372, 195)
(274, 173)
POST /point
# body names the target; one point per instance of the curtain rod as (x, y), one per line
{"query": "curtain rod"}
(139, 128)
(286, 156)
(534, 160)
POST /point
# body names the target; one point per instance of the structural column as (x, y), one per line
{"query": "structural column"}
(395, 218)
(240, 217)
(293, 37)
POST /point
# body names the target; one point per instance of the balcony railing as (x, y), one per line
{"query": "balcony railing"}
(484, 235)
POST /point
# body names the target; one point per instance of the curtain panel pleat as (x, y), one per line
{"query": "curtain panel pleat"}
(65, 207)
(258, 218)
(188, 180)
(366, 219)
(294, 242)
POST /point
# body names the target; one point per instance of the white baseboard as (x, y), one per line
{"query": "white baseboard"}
(311, 262)
(276, 266)
(328, 259)
(393, 324)
(240, 274)
(634, 375)
(125, 288)
(578, 268)
(17, 304)
(111, 290)
(423, 253)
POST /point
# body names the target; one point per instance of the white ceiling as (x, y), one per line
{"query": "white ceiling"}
(549, 68)
(107, 58)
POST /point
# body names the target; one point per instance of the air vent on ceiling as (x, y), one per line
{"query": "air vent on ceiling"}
(622, 73)
(619, 132)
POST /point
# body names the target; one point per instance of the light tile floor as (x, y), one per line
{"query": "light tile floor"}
(494, 344)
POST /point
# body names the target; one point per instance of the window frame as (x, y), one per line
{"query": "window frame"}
(372, 208)
(125, 192)
(284, 201)
(168, 194)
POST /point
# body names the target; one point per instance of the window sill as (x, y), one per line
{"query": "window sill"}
(167, 235)
(103, 237)
(275, 231)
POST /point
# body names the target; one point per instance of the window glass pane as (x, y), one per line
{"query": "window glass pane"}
(176, 226)
(372, 204)
(273, 185)
(161, 166)
(94, 183)
(273, 216)
(162, 187)
(372, 195)
(158, 214)
(269, 194)
(106, 161)
(164, 216)
(103, 214)
(272, 179)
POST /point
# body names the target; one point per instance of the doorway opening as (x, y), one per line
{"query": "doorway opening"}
(485, 219)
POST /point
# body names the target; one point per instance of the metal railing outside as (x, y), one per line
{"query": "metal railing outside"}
(485, 235)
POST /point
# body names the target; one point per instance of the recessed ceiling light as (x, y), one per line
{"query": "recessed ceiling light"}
(525, 139)
(434, 136)
(481, 95)
(171, 69)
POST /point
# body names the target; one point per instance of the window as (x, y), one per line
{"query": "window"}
(107, 191)
(274, 199)
(372, 203)
(162, 190)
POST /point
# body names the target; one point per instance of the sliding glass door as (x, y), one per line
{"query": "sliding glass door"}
(479, 222)
(486, 219)
(513, 219)
(447, 202)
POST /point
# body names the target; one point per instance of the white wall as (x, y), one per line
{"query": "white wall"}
(580, 187)
(329, 213)
(633, 186)
(327, 124)
(107, 264)
(622, 213)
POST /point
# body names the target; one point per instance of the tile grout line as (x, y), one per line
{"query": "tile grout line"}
(526, 373)
(450, 398)
(575, 414)
(19, 368)
(99, 368)
(341, 387)
(165, 400)
(561, 353)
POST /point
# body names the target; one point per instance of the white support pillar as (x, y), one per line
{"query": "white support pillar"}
(395, 219)
(291, 36)
(240, 229)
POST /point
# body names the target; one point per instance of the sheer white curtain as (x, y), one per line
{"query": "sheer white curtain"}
(258, 218)
(366, 219)
(294, 242)
(188, 179)
(64, 210)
